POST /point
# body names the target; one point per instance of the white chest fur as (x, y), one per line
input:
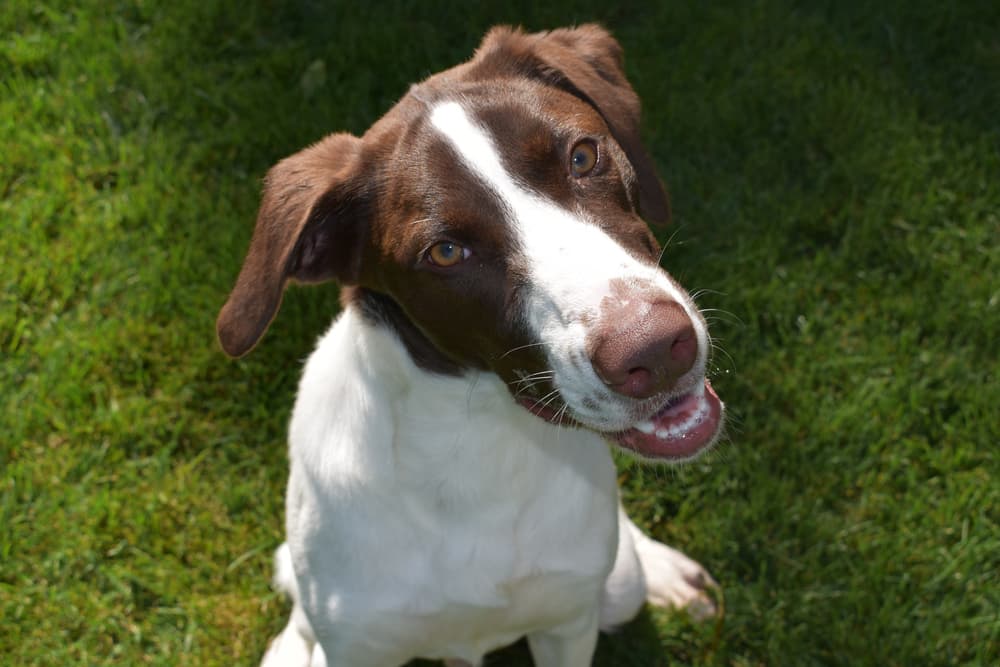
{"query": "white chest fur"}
(433, 510)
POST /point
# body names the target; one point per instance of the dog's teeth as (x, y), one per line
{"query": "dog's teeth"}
(646, 427)
(682, 429)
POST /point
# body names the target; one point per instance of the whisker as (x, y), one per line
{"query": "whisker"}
(549, 397)
(519, 347)
(666, 245)
(527, 384)
(559, 420)
(536, 401)
(729, 316)
(539, 374)
(716, 347)
(708, 290)
(544, 401)
(561, 414)
(524, 391)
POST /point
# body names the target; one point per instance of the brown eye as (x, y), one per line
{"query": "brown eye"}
(583, 159)
(447, 254)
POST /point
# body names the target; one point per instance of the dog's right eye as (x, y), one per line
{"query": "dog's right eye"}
(447, 254)
(583, 158)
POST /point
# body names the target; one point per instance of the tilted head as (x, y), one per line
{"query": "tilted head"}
(494, 220)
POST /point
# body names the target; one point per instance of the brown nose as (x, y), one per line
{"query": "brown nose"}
(640, 350)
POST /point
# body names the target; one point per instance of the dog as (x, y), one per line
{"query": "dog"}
(504, 318)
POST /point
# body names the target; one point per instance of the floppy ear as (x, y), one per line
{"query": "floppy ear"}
(310, 227)
(588, 62)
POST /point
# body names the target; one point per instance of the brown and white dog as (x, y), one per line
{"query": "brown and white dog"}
(504, 319)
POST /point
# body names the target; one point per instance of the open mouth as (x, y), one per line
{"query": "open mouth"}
(678, 431)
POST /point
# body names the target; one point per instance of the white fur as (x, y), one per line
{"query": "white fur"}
(420, 508)
(432, 516)
(573, 264)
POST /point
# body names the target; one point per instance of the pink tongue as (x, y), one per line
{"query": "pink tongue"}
(678, 431)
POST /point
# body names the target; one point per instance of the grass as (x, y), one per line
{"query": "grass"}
(835, 170)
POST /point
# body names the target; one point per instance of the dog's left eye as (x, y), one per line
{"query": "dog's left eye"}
(583, 159)
(447, 254)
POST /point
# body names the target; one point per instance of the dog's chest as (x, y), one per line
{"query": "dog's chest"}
(436, 505)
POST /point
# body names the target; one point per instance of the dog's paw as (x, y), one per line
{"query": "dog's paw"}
(289, 649)
(675, 581)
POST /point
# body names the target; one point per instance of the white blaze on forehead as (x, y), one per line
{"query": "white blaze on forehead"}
(571, 261)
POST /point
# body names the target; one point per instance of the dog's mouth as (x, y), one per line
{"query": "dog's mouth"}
(679, 430)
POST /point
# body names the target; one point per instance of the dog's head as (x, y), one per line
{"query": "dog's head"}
(494, 219)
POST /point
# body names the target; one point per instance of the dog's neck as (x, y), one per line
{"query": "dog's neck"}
(382, 310)
(424, 419)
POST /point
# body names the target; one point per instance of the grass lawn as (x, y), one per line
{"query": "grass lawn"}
(835, 172)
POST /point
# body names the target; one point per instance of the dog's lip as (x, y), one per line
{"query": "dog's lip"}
(679, 430)
(546, 412)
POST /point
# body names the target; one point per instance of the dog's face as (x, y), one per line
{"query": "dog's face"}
(492, 219)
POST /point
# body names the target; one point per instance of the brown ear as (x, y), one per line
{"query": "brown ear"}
(309, 228)
(588, 62)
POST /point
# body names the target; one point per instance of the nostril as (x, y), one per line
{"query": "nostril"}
(684, 348)
(638, 383)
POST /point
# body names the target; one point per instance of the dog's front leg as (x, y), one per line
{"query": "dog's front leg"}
(568, 645)
(648, 571)
(672, 579)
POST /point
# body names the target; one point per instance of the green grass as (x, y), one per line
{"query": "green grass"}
(835, 171)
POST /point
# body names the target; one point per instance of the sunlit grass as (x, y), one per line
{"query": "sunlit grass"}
(835, 172)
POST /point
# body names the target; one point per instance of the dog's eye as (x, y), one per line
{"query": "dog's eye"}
(583, 159)
(447, 254)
